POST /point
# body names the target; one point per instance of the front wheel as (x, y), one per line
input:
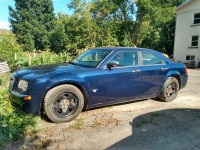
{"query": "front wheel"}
(170, 90)
(63, 103)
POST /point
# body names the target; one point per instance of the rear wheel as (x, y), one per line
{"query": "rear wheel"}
(170, 90)
(63, 103)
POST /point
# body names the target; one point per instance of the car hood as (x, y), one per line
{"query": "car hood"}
(43, 69)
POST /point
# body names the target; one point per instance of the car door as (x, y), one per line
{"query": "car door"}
(153, 72)
(121, 82)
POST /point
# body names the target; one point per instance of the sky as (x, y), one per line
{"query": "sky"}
(59, 6)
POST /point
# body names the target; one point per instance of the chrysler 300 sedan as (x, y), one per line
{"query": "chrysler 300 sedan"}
(98, 77)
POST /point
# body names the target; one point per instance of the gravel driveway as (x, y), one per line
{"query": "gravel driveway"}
(141, 125)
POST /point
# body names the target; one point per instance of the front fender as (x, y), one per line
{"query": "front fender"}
(55, 81)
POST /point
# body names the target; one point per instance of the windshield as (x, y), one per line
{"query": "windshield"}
(91, 58)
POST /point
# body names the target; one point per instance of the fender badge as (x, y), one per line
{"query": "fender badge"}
(94, 90)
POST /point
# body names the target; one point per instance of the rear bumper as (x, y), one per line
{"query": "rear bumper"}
(184, 80)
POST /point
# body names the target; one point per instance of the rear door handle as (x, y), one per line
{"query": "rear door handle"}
(136, 71)
(163, 69)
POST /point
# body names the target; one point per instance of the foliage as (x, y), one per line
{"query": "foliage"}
(38, 59)
(8, 47)
(78, 124)
(13, 122)
(96, 23)
(156, 24)
(11, 50)
(32, 21)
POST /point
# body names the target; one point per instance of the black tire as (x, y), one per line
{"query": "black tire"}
(170, 90)
(63, 103)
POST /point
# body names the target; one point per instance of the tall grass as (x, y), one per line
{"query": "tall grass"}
(14, 123)
(24, 59)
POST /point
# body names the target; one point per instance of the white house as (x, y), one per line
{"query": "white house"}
(187, 35)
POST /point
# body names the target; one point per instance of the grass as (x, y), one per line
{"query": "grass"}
(139, 124)
(78, 123)
(152, 116)
(157, 114)
(4, 79)
(14, 123)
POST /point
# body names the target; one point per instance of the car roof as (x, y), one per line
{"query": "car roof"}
(124, 49)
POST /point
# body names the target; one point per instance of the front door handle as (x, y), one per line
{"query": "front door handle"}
(163, 69)
(136, 71)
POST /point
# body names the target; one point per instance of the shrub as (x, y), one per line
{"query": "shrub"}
(8, 47)
(13, 121)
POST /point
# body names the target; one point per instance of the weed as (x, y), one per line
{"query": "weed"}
(154, 123)
(109, 107)
(139, 124)
(14, 123)
(156, 114)
(4, 79)
(78, 124)
(95, 125)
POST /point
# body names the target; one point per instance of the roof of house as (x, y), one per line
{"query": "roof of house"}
(186, 2)
(4, 31)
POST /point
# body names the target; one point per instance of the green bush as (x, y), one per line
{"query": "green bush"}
(14, 123)
(8, 47)
(39, 58)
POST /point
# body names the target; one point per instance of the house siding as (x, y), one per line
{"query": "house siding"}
(184, 32)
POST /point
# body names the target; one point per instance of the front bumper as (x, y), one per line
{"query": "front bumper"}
(28, 106)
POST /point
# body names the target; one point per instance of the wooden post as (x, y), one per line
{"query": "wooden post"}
(29, 58)
(42, 58)
(15, 56)
(67, 57)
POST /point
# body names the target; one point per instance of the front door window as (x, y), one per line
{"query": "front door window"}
(126, 58)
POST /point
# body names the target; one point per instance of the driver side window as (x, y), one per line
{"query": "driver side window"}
(126, 58)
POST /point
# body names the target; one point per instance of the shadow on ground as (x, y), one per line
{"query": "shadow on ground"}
(172, 129)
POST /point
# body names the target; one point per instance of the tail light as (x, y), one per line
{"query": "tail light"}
(186, 72)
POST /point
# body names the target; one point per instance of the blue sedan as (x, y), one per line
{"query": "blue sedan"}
(98, 77)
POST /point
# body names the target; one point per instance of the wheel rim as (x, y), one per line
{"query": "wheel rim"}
(171, 89)
(65, 105)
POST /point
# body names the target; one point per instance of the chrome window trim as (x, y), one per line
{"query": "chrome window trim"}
(104, 59)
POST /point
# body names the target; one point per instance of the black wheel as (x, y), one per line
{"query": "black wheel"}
(170, 90)
(63, 103)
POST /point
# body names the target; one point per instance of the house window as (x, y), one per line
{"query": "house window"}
(189, 57)
(197, 18)
(195, 40)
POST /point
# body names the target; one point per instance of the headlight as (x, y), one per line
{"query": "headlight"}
(23, 84)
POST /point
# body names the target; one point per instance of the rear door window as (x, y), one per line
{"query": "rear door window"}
(150, 59)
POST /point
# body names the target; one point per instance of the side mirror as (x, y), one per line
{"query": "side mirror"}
(113, 64)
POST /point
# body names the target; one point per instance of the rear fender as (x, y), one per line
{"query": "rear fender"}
(173, 73)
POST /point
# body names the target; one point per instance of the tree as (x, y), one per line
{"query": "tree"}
(156, 24)
(32, 22)
(8, 47)
(116, 16)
